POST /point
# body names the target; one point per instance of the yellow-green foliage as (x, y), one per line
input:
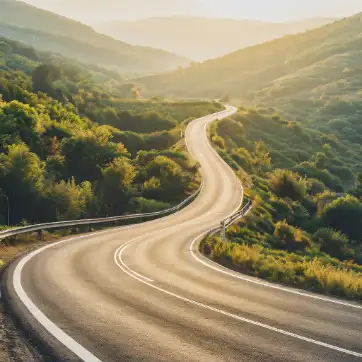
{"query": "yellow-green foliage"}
(70, 147)
(290, 269)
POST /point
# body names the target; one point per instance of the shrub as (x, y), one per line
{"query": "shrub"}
(315, 186)
(219, 142)
(332, 242)
(292, 269)
(243, 158)
(287, 184)
(345, 215)
(291, 239)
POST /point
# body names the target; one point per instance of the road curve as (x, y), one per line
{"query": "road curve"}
(144, 293)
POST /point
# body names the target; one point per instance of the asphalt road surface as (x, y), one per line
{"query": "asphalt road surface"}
(144, 293)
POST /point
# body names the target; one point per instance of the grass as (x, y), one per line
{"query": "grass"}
(341, 279)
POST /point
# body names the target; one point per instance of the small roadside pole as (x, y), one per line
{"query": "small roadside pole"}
(223, 231)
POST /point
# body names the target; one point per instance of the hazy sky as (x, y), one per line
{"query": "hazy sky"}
(271, 10)
(276, 10)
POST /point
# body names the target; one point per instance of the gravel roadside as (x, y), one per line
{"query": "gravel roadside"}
(13, 347)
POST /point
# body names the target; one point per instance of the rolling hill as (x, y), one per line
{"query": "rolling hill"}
(211, 37)
(50, 32)
(320, 62)
(123, 9)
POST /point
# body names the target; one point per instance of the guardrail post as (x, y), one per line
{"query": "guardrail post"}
(40, 235)
(223, 231)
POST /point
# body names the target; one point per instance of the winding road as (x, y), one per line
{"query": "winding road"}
(144, 293)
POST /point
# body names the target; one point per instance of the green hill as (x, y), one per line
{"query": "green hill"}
(50, 32)
(211, 37)
(317, 62)
(70, 147)
(122, 9)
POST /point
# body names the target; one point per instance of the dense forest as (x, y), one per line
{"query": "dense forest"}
(306, 188)
(71, 147)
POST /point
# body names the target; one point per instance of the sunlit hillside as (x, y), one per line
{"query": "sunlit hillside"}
(318, 62)
(51, 32)
(123, 9)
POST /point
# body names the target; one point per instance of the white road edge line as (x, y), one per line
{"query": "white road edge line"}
(124, 247)
(51, 327)
(217, 267)
(119, 262)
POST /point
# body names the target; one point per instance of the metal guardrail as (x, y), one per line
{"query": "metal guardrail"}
(238, 215)
(230, 220)
(64, 224)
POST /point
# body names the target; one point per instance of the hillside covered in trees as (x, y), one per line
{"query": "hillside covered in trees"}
(51, 32)
(323, 62)
(71, 149)
(306, 187)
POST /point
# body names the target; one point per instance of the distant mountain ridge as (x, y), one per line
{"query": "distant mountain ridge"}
(51, 32)
(202, 38)
(123, 9)
(317, 63)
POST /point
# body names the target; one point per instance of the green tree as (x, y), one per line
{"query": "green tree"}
(22, 179)
(287, 184)
(344, 214)
(18, 122)
(43, 77)
(69, 201)
(332, 242)
(118, 177)
(291, 239)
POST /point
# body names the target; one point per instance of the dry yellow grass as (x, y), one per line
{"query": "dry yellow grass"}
(286, 268)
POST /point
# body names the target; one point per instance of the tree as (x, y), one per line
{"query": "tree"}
(292, 239)
(262, 156)
(118, 177)
(358, 188)
(320, 160)
(287, 184)
(344, 214)
(243, 158)
(18, 122)
(68, 200)
(43, 77)
(332, 242)
(173, 181)
(315, 186)
(22, 179)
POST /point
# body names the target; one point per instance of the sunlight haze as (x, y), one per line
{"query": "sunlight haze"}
(277, 10)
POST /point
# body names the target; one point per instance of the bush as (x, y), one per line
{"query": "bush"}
(332, 242)
(315, 186)
(292, 269)
(345, 215)
(287, 184)
(290, 238)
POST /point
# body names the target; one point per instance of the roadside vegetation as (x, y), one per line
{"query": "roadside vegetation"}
(71, 148)
(306, 186)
